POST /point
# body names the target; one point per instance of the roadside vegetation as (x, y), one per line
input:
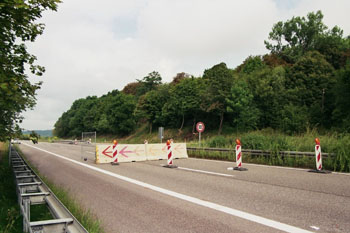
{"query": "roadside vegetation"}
(267, 140)
(10, 218)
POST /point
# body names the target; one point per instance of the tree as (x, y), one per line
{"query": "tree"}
(295, 37)
(184, 101)
(341, 114)
(310, 84)
(251, 64)
(149, 83)
(120, 113)
(151, 104)
(17, 26)
(219, 79)
(241, 104)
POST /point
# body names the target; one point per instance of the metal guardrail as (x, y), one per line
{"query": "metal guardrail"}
(31, 190)
(260, 152)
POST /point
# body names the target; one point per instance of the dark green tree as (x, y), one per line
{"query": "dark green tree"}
(295, 37)
(241, 104)
(341, 113)
(219, 81)
(184, 102)
(151, 104)
(17, 26)
(310, 84)
(148, 83)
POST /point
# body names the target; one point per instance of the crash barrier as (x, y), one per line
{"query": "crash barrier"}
(260, 152)
(138, 152)
(31, 190)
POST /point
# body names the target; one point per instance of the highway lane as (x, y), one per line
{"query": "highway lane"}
(296, 197)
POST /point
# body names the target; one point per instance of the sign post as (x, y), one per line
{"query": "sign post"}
(161, 133)
(200, 128)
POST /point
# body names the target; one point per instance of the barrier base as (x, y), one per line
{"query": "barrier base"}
(240, 169)
(170, 166)
(320, 171)
(114, 163)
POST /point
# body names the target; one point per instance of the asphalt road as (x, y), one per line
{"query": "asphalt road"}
(146, 197)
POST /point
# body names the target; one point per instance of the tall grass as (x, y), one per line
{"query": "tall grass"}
(268, 140)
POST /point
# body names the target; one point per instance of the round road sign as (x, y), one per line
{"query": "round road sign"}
(200, 127)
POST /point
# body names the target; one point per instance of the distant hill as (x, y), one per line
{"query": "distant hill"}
(42, 133)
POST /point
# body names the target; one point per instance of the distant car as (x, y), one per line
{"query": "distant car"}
(15, 141)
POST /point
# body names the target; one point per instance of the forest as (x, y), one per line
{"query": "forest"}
(302, 83)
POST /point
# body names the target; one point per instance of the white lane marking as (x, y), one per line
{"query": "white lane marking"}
(206, 172)
(224, 209)
(261, 165)
(315, 228)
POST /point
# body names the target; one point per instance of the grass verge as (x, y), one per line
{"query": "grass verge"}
(85, 217)
(10, 218)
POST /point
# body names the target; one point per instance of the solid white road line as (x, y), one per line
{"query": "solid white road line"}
(221, 208)
(206, 172)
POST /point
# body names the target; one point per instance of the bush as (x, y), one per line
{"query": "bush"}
(218, 141)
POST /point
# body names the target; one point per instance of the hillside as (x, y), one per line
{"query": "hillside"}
(42, 133)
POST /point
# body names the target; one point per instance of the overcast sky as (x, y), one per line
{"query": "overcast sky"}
(92, 47)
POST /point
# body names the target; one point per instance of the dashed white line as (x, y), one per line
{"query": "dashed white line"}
(262, 165)
(211, 205)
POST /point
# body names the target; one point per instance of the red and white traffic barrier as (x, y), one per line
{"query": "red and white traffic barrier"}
(170, 155)
(318, 155)
(238, 153)
(115, 153)
(239, 157)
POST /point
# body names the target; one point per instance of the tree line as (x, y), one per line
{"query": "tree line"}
(303, 82)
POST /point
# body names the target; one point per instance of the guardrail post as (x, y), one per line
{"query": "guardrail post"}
(26, 214)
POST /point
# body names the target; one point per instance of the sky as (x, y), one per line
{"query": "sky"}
(92, 47)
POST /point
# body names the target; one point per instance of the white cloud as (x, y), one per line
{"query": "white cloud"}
(90, 48)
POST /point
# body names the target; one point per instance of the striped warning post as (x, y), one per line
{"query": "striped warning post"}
(238, 153)
(318, 158)
(170, 156)
(239, 156)
(115, 153)
(318, 155)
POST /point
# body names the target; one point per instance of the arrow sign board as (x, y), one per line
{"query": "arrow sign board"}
(138, 152)
(200, 127)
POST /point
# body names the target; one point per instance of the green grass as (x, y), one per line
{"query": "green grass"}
(10, 218)
(85, 217)
(337, 144)
(40, 213)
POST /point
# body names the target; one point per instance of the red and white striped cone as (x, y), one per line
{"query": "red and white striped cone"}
(115, 153)
(318, 155)
(170, 155)
(239, 156)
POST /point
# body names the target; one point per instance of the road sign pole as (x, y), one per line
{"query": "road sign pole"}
(200, 128)
(199, 139)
